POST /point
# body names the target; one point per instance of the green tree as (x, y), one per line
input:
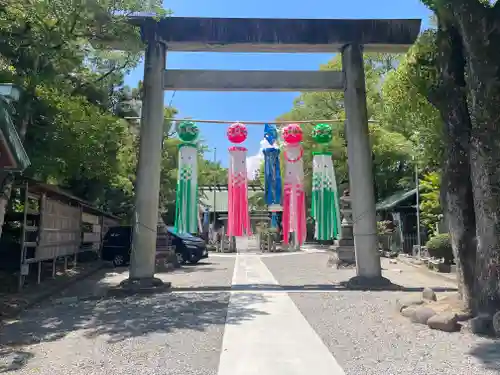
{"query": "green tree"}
(55, 51)
(458, 74)
(406, 111)
(430, 206)
(392, 151)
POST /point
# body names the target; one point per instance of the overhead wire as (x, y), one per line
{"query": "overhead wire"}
(276, 122)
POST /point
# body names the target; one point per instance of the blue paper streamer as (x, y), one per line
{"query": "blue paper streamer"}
(274, 220)
(272, 176)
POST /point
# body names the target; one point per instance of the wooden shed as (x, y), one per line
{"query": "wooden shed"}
(51, 227)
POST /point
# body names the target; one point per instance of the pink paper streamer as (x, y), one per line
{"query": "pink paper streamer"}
(294, 213)
(238, 223)
(294, 203)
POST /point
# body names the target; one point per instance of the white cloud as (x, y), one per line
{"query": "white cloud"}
(254, 162)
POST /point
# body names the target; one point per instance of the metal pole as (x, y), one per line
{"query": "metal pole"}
(23, 234)
(417, 184)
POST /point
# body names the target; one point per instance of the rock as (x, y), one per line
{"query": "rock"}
(496, 323)
(409, 312)
(393, 261)
(447, 322)
(422, 315)
(463, 316)
(409, 301)
(66, 300)
(481, 325)
(429, 294)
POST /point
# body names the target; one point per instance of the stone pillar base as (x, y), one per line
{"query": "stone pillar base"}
(370, 283)
(149, 285)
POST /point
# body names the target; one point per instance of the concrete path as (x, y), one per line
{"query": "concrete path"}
(278, 341)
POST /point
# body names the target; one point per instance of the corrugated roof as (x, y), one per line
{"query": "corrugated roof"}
(35, 186)
(221, 196)
(395, 199)
(8, 134)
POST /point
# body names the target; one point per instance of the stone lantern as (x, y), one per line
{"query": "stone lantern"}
(343, 249)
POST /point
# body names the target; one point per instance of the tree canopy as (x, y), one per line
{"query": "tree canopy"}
(393, 150)
(76, 117)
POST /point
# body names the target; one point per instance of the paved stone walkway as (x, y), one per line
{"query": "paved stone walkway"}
(266, 345)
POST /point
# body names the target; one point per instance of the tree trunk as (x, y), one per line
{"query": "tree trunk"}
(456, 187)
(479, 29)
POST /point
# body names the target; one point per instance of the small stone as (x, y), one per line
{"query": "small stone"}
(429, 294)
(496, 323)
(481, 325)
(422, 315)
(66, 300)
(409, 301)
(447, 322)
(393, 261)
(463, 316)
(409, 312)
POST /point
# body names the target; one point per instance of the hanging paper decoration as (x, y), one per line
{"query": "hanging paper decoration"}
(325, 200)
(237, 133)
(272, 172)
(270, 134)
(322, 133)
(294, 210)
(292, 134)
(238, 223)
(186, 204)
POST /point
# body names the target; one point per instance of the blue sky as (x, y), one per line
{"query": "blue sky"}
(259, 106)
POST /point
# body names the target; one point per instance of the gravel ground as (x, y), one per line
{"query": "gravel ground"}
(211, 273)
(181, 333)
(177, 333)
(311, 269)
(366, 334)
(163, 334)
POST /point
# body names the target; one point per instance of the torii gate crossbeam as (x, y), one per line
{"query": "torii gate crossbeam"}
(350, 37)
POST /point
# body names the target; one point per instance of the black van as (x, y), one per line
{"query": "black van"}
(117, 245)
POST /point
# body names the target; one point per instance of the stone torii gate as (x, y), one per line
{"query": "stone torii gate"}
(190, 34)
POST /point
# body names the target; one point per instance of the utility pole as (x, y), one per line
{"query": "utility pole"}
(214, 192)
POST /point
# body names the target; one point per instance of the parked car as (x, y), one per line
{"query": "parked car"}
(117, 246)
(194, 248)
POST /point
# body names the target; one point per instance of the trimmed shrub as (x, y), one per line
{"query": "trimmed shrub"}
(439, 246)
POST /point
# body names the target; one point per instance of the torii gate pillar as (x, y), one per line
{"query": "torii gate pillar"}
(147, 185)
(359, 157)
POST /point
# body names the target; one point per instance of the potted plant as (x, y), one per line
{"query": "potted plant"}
(439, 248)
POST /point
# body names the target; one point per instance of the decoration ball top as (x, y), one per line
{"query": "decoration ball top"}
(270, 134)
(292, 133)
(322, 133)
(237, 133)
(188, 131)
